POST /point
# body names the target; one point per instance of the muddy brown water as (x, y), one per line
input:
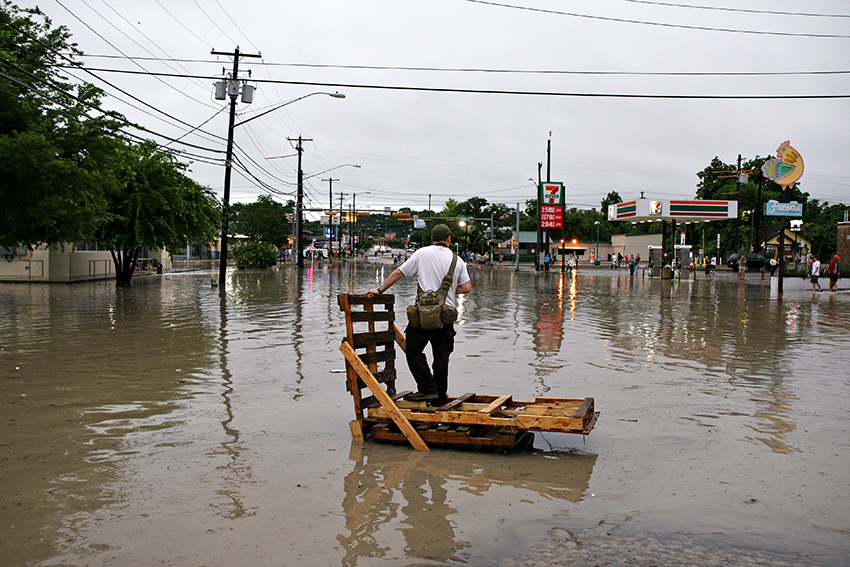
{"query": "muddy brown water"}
(164, 425)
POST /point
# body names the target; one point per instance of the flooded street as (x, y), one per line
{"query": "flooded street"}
(164, 425)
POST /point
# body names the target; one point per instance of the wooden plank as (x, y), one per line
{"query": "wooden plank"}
(379, 356)
(499, 438)
(585, 407)
(400, 338)
(387, 402)
(361, 299)
(356, 430)
(372, 400)
(371, 316)
(530, 422)
(360, 340)
(457, 401)
(496, 404)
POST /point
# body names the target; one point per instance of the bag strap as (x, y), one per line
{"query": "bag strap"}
(443, 291)
(449, 277)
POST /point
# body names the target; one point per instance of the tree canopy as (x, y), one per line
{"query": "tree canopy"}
(68, 173)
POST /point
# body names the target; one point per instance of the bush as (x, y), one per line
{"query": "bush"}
(255, 255)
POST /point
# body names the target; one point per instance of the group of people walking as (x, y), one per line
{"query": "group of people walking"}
(832, 270)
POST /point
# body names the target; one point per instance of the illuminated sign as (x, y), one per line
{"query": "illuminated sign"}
(552, 193)
(777, 209)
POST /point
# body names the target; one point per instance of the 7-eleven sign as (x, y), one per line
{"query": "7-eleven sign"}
(552, 193)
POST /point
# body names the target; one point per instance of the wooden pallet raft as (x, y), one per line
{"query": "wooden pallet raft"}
(470, 419)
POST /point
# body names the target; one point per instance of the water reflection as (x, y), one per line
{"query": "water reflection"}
(236, 473)
(119, 404)
(392, 491)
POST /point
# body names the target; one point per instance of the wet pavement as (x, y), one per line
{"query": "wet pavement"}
(166, 425)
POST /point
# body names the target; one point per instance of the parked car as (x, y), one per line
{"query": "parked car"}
(755, 262)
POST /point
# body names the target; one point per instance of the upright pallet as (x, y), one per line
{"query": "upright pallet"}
(470, 419)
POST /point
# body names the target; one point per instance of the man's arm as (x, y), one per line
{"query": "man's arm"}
(462, 289)
(394, 276)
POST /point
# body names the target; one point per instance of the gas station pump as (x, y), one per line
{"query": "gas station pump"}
(683, 259)
(656, 260)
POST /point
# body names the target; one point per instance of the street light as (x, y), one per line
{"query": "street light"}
(279, 106)
(222, 270)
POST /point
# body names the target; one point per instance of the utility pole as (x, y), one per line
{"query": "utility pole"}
(299, 203)
(738, 216)
(340, 233)
(330, 181)
(539, 229)
(233, 90)
(516, 249)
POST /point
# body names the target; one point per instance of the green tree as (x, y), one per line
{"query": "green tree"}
(56, 145)
(155, 206)
(258, 255)
(263, 221)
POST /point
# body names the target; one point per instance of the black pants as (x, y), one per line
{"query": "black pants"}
(442, 344)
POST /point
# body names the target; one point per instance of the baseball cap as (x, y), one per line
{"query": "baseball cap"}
(440, 232)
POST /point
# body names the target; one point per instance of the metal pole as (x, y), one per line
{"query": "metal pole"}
(539, 229)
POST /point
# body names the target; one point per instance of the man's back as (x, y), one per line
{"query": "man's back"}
(430, 265)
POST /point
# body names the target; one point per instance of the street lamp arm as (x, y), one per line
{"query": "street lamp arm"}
(334, 95)
(331, 169)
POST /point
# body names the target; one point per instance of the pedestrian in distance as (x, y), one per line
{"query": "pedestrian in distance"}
(815, 274)
(707, 271)
(833, 272)
(742, 266)
(430, 265)
(773, 265)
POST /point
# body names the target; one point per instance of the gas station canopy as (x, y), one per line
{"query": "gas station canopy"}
(644, 210)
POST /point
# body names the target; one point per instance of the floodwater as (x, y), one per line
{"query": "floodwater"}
(164, 425)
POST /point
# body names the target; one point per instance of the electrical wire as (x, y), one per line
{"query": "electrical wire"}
(90, 105)
(500, 91)
(237, 26)
(179, 21)
(140, 32)
(502, 71)
(157, 76)
(657, 24)
(74, 66)
(738, 10)
(204, 12)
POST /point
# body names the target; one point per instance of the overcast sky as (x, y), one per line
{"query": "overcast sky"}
(415, 143)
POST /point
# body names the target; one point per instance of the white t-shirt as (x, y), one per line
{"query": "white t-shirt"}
(430, 265)
(815, 268)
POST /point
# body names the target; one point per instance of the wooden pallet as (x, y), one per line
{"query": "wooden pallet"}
(470, 419)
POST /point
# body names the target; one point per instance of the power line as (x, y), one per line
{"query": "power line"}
(237, 26)
(498, 91)
(739, 10)
(122, 53)
(73, 66)
(179, 21)
(140, 32)
(658, 24)
(502, 71)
